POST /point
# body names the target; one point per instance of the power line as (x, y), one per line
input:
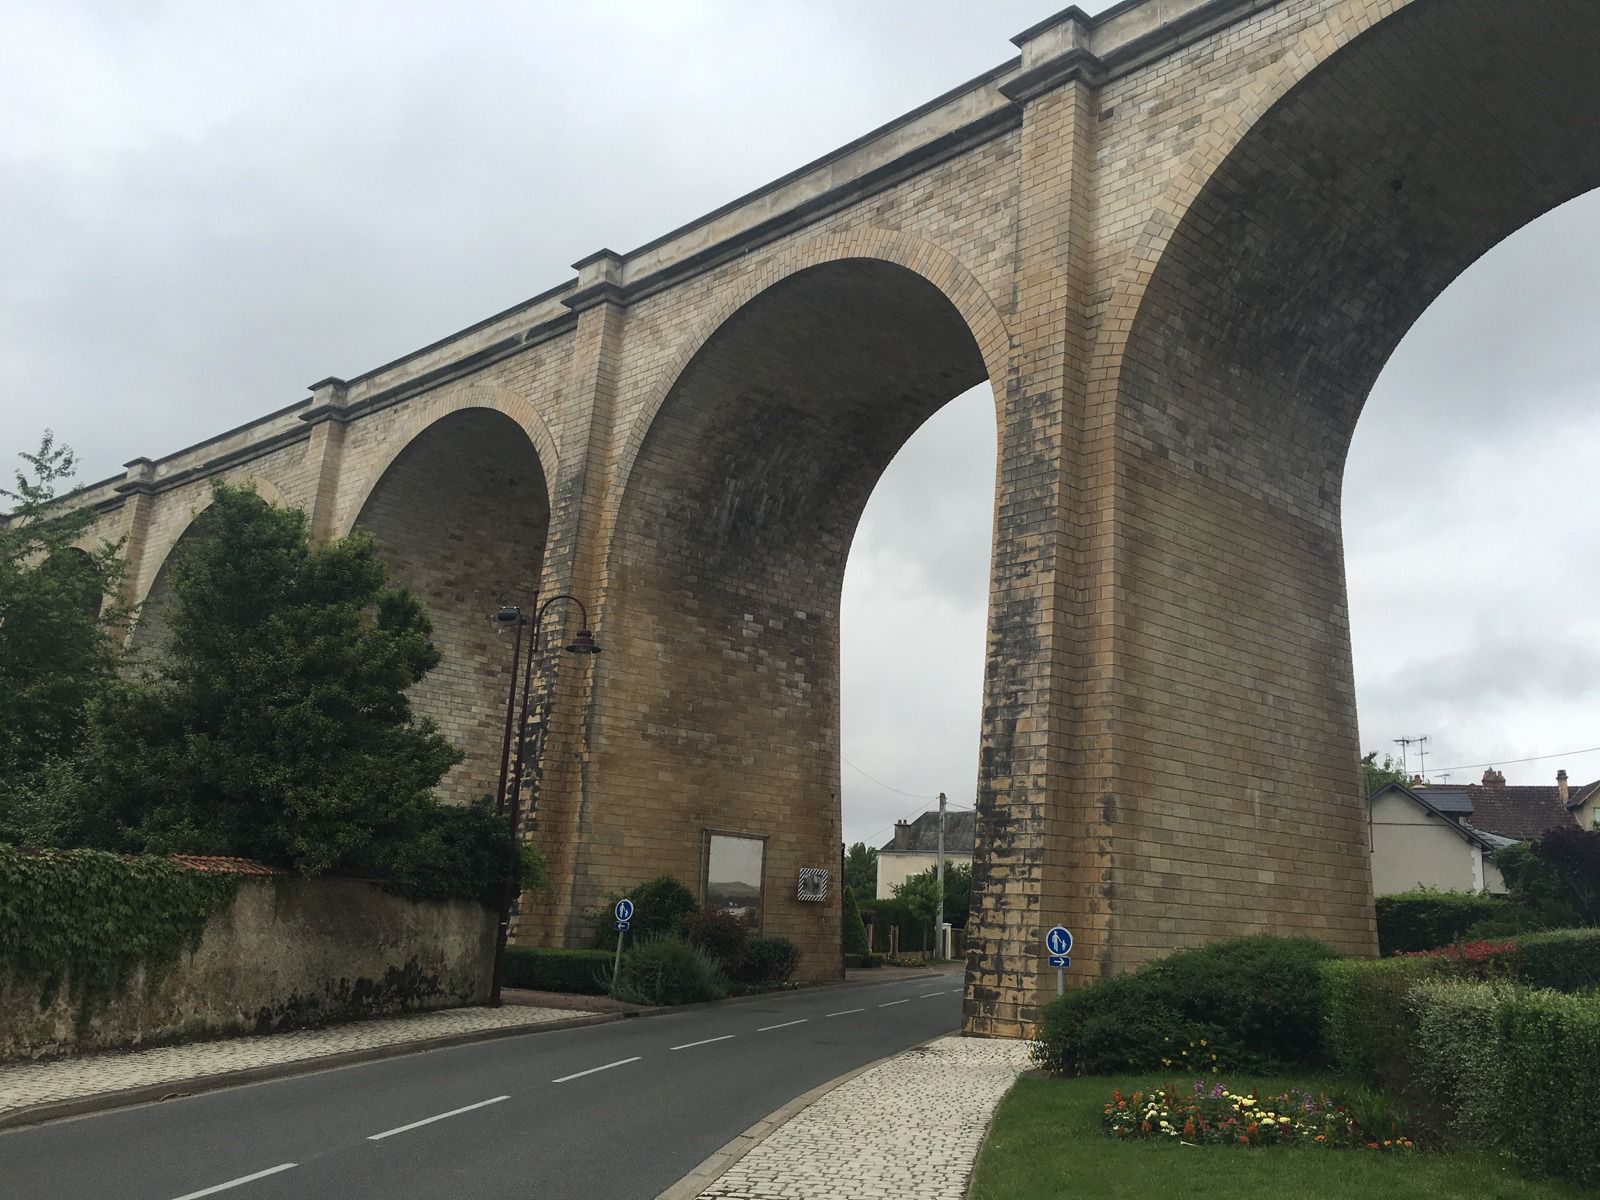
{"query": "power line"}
(882, 784)
(1509, 761)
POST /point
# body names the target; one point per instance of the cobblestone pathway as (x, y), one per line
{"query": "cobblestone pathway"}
(25, 1084)
(909, 1128)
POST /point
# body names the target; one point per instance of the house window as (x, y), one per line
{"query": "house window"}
(733, 880)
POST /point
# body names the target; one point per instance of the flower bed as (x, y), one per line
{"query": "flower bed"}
(1211, 1115)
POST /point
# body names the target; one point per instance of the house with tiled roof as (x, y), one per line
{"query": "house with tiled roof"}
(915, 848)
(1445, 836)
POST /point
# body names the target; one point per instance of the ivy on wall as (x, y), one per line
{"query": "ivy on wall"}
(86, 918)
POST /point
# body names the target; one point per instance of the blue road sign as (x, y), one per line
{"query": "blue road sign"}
(1058, 941)
(624, 912)
(620, 926)
(1060, 960)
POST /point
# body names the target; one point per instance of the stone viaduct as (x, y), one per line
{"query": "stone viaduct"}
(1179, 240)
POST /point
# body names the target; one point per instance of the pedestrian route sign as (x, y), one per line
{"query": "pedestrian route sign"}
(1059, 942)
(624, 912)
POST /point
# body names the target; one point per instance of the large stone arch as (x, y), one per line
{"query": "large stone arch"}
(425, 411)
(461, 512)
(935, 264)
(149, 627)
(1280, 275)
(716, 703)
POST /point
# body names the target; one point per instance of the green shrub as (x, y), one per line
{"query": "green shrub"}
(458, 851)
(769, 960)
(862, 960)
(87, 918)
(1566, 960)
(667, 970)
(545, 970)
(659, 906)
(1550, 1048)
(854, 937)
(720, 934)
(1424, 919)
(1457, 1056)
(1245, 1004)
(1368, 1025)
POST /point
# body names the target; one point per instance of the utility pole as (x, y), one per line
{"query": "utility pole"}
(938, 925)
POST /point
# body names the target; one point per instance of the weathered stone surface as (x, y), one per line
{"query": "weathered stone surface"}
(1179, 240)
(286, 953)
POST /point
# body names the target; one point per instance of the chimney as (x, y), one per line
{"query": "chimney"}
(902, 834)
(1561, 784)
(1493, 779)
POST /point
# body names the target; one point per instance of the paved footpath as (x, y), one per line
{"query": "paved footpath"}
(910, 1127)
(23, 1085)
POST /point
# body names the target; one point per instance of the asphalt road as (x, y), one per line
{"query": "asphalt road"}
(608, 1112)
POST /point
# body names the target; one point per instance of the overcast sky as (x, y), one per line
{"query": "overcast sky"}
(205, 207)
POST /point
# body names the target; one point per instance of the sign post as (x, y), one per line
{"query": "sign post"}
(624, 915)
(1058, 942)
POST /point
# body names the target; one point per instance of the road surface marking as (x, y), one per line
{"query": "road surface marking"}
(785, 1025)
(621, 1062)
(844, 1012)
(925, 995)
(233, 1183)
(706, 1042)
(454, 1112)
(892, 1003)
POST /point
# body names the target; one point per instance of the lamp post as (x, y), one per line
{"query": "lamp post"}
(582, 643)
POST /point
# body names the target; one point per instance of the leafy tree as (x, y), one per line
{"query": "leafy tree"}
(861, 869)
(279, 728)
(854, 929)
(1374, 776)
(1573, 855)
(920, 895)
(1536, 886)
(58, 646)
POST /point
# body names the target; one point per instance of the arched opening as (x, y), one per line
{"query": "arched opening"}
(79, 579)
(462, 515)
(717, 700)
(148, 638)
(1311, 249)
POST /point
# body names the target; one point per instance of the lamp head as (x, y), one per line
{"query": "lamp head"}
(583, 643)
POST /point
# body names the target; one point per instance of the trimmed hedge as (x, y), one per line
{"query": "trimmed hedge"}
(1549, 1093)
(1567, 960)
(543, 970)
(1458, 1065)
(1424, 919)
(1368, 1024)
(1247, 1004)
(854, 933)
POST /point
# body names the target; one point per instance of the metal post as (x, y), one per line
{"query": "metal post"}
(511, 704)
(938, 925)
(616, 965)
(1061, 981)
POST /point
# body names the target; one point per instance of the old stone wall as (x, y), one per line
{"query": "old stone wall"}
(285, 953)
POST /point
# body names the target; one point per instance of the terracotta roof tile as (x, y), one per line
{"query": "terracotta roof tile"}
(221, 864)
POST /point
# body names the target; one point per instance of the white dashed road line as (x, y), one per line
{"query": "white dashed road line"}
(785, 1025)
(892, 1003)
(925, 995)
(454, 1112)
(845, 1012)
(621, 1062)
(704, 1042)
(233, 1183)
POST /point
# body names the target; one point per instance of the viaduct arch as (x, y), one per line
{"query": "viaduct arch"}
(1179, 239)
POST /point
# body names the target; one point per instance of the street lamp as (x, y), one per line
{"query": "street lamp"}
(582, 643)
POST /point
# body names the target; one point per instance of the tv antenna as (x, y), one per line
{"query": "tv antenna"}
(1422, 753)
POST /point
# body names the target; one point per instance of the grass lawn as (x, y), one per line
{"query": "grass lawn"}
(1046, 1142)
